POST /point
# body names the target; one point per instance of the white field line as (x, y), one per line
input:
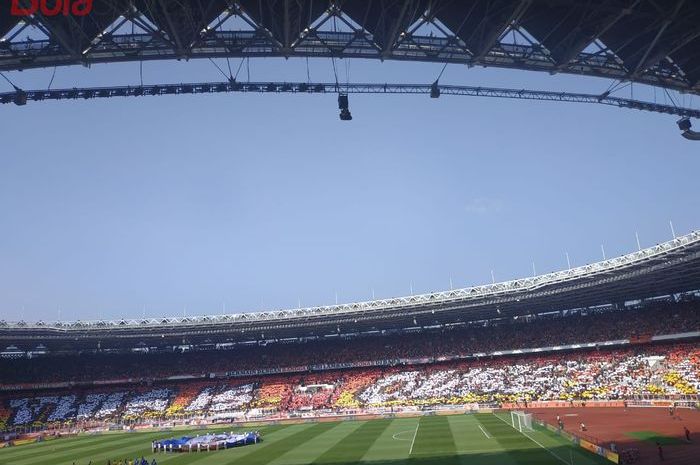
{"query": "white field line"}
(534, 440)
(394, 436)
(478, 451)
(484, 431)
(414, 438)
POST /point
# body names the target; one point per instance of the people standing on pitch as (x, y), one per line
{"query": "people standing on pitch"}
(687, 433)
(661, 451)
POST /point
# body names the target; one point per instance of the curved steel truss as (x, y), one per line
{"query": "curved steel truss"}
(21, 96)
(683, 249)
(644, 41)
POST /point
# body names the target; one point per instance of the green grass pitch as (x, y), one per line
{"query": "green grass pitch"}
(481, 439)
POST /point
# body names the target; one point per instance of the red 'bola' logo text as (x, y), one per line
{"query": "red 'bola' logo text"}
(51, 7)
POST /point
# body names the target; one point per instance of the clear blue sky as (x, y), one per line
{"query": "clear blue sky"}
(262, 201)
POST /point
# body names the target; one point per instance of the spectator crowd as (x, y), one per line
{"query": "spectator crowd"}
(659, 370)
(505, 334)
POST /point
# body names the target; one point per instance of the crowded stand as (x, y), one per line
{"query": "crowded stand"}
(670, 370)
(386, 349)
(649, 351)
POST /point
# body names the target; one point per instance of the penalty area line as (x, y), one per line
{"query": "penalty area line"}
(414, 438)
(533, 440)
(484, 431)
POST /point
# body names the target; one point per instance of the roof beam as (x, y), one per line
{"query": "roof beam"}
(59, 36)
(695, 84)
(390, 40)
(671, 48)
(492, 38)
(286, 30)
(642, 64)
(179, 49)
(581, 44)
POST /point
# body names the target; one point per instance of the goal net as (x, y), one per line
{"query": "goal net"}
(521, 421)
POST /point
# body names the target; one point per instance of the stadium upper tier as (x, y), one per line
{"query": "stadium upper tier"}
(643, 41)
(664, 269)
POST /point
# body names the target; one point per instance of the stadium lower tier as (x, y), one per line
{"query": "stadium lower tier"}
(667, 370)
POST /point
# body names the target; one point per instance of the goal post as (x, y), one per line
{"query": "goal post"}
(521, 421)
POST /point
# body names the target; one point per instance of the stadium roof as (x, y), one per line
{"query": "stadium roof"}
(664, 269)
(645, 41)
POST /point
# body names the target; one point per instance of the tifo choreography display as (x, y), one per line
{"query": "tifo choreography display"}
(619, 374)
(206, 442)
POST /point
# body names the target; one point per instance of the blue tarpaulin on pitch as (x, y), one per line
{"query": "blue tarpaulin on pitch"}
(217, 441)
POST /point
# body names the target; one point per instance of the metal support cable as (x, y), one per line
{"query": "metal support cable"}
(9, 81)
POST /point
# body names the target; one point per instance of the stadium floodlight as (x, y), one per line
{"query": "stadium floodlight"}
(343, 105)
(521, 421)
(684, 125)
(20, 97)
(434, 90)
